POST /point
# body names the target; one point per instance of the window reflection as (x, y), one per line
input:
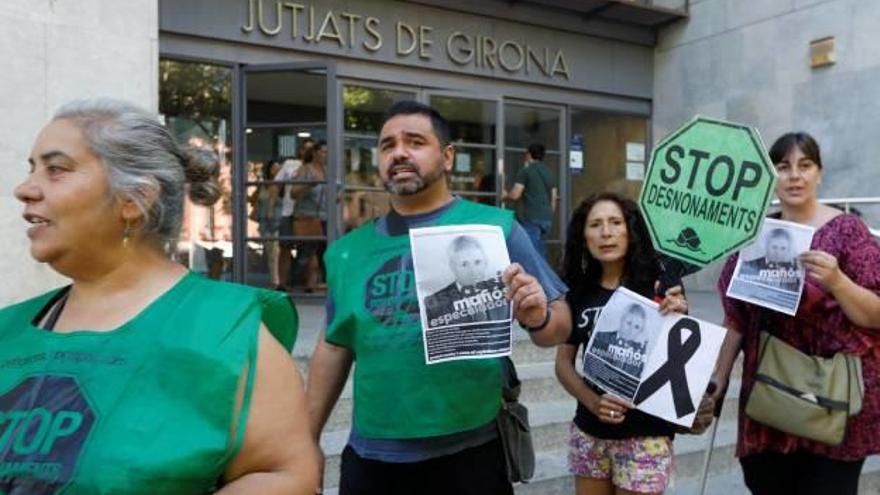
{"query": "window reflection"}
(363, 196)
(195, 103)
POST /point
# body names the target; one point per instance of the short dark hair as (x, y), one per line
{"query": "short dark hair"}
(780, 234)
(409, 107)
(463, 242)
(802, 140)
(637, 310)
(536, 151)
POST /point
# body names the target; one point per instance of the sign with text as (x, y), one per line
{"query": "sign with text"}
(420, 36)
(662, 364)
(707, 190)
(464, 311)
(768, 272)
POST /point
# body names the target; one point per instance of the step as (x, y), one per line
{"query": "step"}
(550, 422)
(728, 483)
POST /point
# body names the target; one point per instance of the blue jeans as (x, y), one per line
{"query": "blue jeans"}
(537, 231)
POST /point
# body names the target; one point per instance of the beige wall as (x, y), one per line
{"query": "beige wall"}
(749, 62)
(54, 51)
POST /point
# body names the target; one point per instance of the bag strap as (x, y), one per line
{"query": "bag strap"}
(510, 383)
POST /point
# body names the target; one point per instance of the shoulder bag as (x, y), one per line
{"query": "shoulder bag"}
(807, 396)
(513, 427)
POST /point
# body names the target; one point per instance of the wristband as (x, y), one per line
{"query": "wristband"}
(543, 323)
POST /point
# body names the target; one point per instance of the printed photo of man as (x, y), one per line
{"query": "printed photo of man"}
(778, 267)
(627, 347)
(476, 294)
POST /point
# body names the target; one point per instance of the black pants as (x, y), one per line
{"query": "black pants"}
(800, 473)
(476, 471)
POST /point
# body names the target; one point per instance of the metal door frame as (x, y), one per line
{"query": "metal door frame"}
(239, 171)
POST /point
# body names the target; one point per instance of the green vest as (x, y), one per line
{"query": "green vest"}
(150, 407)
(376, 315)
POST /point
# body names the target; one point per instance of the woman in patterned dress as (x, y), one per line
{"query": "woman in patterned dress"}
(839, 304)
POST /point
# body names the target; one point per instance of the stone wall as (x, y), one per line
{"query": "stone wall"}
(55, 51)
(749, 61)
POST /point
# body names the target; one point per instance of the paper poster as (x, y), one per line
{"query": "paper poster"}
(463, 162)
(635, 152)
(635, 171)
(464, 311)
(661, 364)
(576, 159)
(768, 272)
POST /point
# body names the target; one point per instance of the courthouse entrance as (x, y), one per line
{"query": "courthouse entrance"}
(285, 106)
(255, 80)
(263, 114)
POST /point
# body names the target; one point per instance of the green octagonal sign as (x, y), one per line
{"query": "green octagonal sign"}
(707, 190)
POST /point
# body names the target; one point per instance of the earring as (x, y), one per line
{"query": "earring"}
(126, 234)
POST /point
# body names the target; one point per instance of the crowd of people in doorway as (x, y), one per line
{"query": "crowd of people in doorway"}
(142, 377)
(290, 209)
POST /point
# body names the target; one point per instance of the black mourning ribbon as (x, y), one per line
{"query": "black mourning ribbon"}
(672, 371)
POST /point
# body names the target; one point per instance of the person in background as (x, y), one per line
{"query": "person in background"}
(418, 428)
(535, 185)
(838, 312)
(268, 208)
(182, 381)
(613, 448)
(310, 211)
(289, 168)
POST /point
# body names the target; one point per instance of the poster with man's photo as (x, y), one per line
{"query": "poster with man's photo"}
(465, 313)
(660, 363)
(768, 272)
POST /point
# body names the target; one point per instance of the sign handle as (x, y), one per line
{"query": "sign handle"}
(707, 457)
(672, 271)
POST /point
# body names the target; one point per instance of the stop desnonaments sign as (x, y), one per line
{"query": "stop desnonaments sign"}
(707, 190)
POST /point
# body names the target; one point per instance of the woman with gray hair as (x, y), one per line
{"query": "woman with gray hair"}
(140, 376)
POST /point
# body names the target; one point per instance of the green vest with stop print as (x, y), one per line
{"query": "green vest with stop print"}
(376, 315)
(158, 405)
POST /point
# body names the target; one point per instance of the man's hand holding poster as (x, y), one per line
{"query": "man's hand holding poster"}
(768, 272)
(464, 311)
(661, 364)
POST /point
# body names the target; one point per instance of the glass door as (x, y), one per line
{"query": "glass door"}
(527, 124)
(615, 148)
(364, 106)
(475, 133)
(287, 157)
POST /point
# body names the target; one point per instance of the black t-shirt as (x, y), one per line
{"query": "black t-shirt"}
(585, 308)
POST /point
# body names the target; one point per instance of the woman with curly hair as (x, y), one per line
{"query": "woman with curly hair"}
(614, 449)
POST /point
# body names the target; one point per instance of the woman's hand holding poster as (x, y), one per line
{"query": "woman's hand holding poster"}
(660, 363)
(768, 272)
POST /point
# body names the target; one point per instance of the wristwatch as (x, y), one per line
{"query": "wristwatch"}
(543, 323)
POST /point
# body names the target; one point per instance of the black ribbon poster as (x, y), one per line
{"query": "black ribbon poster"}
(659, 363)
(672, 371)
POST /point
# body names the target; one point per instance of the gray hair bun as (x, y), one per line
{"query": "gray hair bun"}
(202, 169)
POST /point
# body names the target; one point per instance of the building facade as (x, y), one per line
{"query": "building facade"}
(781, 65)
(255, 78)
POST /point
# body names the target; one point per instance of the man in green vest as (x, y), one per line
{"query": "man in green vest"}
(535, 186)
(418, 428)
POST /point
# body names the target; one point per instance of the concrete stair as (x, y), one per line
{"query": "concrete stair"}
(551, 410)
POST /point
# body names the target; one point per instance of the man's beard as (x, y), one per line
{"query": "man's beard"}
(413, 186)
